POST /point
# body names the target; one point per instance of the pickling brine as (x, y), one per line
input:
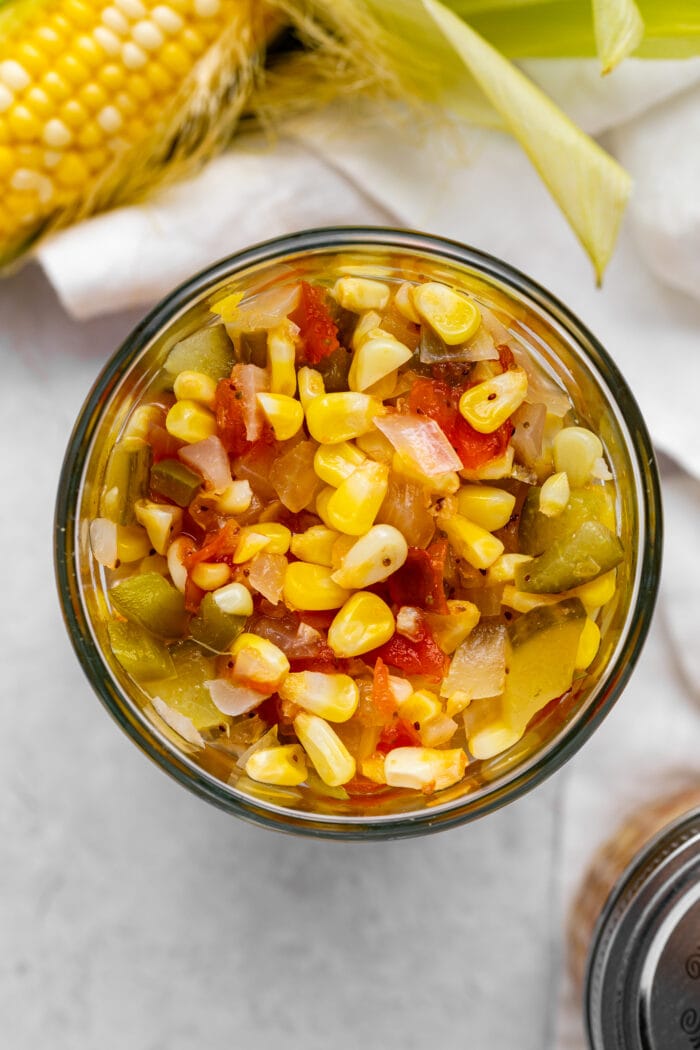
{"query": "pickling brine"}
(354, 536)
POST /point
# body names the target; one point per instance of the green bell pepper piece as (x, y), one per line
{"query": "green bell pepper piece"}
(185, 690)
(540, 658)
(537, 532)
(572, 560)
(209, 351)
(175, 481)
(142, 656)
(253, 348)
(213, 628)
(150, 601)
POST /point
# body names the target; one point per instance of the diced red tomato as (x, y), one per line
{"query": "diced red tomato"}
(505, 356)
(399, 733)
(217, 547)
(419, 581)
(230, 417)
(317, 329)
(324, 660)
(421, 655)
(193, 595)
(382, 697)
(439, 400)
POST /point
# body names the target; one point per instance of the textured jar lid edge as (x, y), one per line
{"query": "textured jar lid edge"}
(615, 1011)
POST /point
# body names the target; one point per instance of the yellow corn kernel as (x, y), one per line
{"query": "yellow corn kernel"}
(310, 587)
(503, 569)
(331, 696)
(554, 494)
(470, 541)
(424, 768)
(588, 645)
(376, 446)
(372, 768)
(374, 557)
(451, 629)
(575, 451)
(176, 561)
(488, 405)
(438, 731)
(364, 326)
(190, 422)
(355, 504)
(384, 388)
(524, 601)
(360, 293)
(250, 542)
(332, 418)
(493, 470)
(311, 385)
(235, 498)
(276, 538)
(597, 592)
(363, 623)
(284, 414)
(141, 420)
(259, 660)
(234, 599)
(378, 356)
(132, 543)
(284, 765)
(210, 575)
(403, 301)
(161, 521)
(315, 545)
(195, 386)
(331, 759)
(281, 352)
(322, 505)
(486, 506)
(486, 728)
(420, 707)
(335, 463)
(449, 313)
(340, 549)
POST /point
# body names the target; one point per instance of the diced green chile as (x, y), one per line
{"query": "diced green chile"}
(185, 691)
(335, 370)
(538, 532)
(253, 348)
(153, 603)
(209, 351)
(589, 552)
(541, 658)
(213, 628)
(140, 655)
(126, 480)
(175, 481)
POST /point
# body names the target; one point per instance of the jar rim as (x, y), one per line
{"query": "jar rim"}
(537, 766)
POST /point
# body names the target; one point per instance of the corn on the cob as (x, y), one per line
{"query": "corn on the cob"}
(86, 83)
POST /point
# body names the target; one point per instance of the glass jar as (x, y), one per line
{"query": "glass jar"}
(563, 347)
(634, 933)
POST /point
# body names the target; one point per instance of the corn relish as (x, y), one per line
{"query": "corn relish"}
(354, 537)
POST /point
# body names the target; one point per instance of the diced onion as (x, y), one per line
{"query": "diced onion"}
(496, 329)
(264, 310)
(182, 725)
(266, 575)
(251, 381)
(210, 459)
(432, 350)
(296, 640)
(421, 441)
(103, 541)
(600, 470)
(233, 699)
(528, 421)
(478, 667)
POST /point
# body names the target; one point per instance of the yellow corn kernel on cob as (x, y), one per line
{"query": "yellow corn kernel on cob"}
(99, 97)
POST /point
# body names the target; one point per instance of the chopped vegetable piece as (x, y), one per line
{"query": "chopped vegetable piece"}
(420, 580)
(185, 691)
(175, 481)
(278, 765)
(572, 560)
(424, 768)
(151, 602)
(421, 655)
(538, 532)
(478, 668)
(125, 480)
(332, 760)
(317, 330)
(214, 628)
(421, 441)
(209, 351)
(534, 678)
(142, 656)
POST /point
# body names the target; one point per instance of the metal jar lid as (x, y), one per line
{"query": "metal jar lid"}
(643, 977)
